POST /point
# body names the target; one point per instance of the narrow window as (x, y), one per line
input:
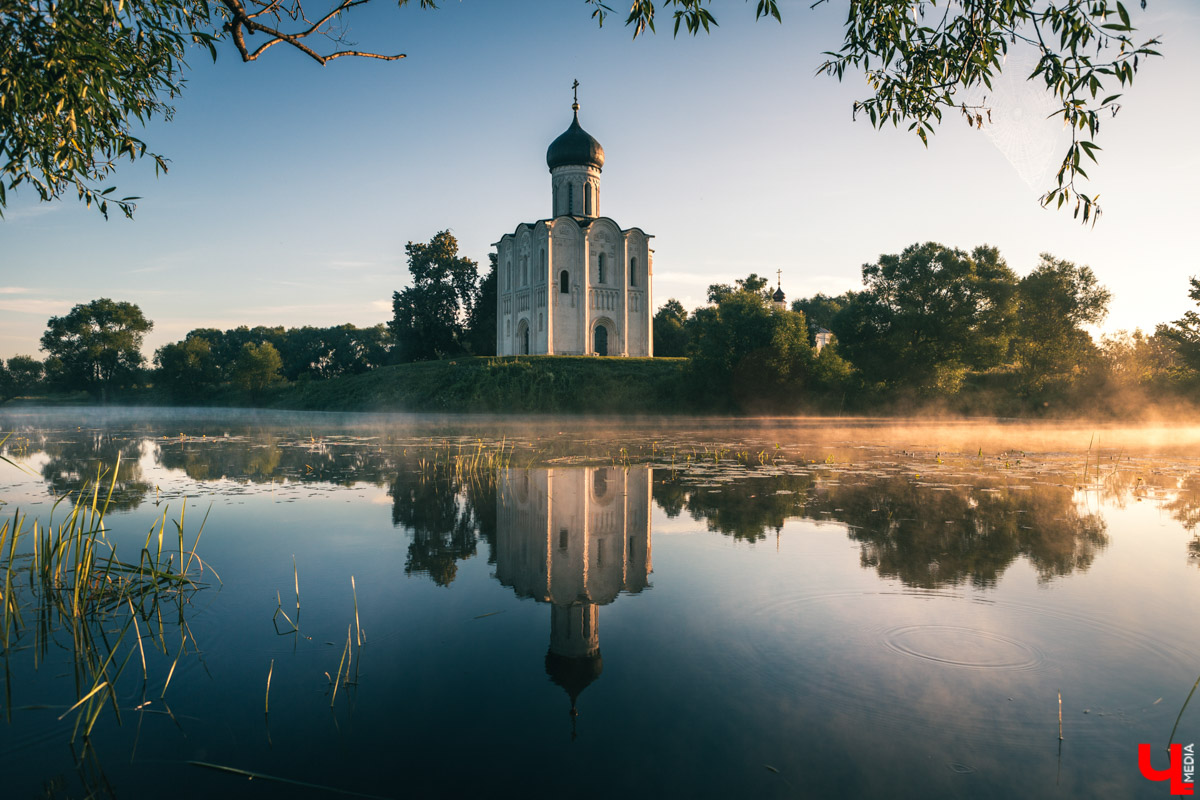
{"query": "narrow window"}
(564, 282)
(540, 321)
(525, 270)
(570, 198)
(508, 276)
(633, 271)
(587, 200)
(600, 271)
(562, 539)
(556, 199)
(542, 274)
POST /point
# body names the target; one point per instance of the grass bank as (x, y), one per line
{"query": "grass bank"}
(562, 384)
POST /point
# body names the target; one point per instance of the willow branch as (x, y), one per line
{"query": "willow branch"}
(242, 22)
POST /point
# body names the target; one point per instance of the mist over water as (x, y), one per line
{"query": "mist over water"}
(701, 607)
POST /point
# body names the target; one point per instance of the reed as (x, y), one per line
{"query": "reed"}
(68, 576)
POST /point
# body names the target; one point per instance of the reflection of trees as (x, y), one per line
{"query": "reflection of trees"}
(936, 536)
(446, 515)
(264, 457)
(744, 509)
(72, 465)
(1185, 506)
(924, 535)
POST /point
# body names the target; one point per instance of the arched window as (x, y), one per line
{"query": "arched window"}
(556, 199)
(508, 276)
(564, 282)
(600, 481)
(633, 271)
(570, 198)
(600, 270)
(542, 274)
(540, 321)
(587, 199)
(524, 270)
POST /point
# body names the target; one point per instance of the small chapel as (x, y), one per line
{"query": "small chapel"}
(575, 283)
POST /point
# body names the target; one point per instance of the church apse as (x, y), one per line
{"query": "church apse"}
(574, 538)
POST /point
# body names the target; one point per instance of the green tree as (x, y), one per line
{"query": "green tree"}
(258, 366)
(481, 323)
(187, 367)
(1184, 333)
(97, 346)
(749, 353)
(429, 317)
(929, 315)
(63, 127)
(820, 309)
(1051, 348)
(26, 372)
(1135, 361)
(670, 330)
(753, 283)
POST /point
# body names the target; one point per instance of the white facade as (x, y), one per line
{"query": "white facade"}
(575, 283)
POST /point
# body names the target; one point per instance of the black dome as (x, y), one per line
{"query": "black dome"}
(778, 296)
(575, 147)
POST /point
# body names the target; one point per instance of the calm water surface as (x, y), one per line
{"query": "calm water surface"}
(683, 608)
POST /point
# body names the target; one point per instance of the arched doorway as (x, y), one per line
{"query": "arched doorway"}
(523, 338)
(601, 347)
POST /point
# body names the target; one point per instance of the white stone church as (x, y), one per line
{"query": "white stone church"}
(576, 283)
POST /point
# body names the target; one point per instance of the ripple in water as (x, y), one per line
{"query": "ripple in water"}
(962, 647)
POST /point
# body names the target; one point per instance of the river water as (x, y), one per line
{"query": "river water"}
(465, 607)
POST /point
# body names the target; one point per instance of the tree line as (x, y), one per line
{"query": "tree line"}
(935, 323)
(97, 347)
(931, 325)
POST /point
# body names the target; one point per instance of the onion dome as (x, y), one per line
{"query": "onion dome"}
(778, 296)
(575, 147)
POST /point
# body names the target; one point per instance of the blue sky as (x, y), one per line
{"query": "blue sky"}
(293, 188)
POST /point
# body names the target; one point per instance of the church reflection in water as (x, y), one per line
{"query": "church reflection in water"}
(574, 538)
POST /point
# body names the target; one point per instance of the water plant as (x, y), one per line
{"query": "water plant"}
(68, 578)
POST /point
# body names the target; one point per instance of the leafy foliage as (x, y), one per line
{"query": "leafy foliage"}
(820, 309)
(75, 75)
(187, 367)
(928, 315)
(481, 323)
(430, 316)
(752, 283)
(97, 346)
(26, 372)
(1057, 299)
(670, 330)
(258, 366)
(1184, 333)
(918, 56)
(745, 345)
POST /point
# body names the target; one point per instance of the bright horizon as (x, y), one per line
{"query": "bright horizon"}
(294, 188)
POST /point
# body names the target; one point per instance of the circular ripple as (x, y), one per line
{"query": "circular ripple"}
(962, 647)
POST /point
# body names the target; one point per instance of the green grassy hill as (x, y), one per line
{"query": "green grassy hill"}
(568, 384)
